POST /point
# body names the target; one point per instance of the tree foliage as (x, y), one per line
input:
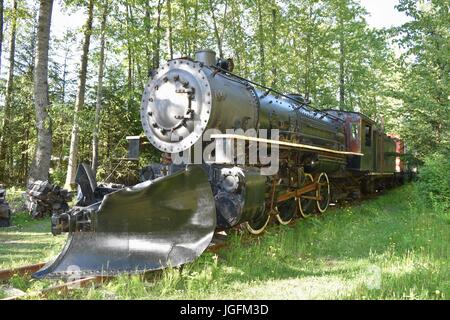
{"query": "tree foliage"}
(324, 50)
(424, 87)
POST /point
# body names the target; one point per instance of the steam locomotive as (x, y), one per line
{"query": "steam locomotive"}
(320, 156)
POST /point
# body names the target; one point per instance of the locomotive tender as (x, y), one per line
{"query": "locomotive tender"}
(323, 156)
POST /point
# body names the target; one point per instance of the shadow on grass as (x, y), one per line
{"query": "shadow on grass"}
(420, 283)
(27, 241)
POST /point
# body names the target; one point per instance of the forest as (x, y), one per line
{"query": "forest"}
(52, 118)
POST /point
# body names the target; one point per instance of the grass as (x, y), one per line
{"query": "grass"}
(27, 241)
(392, 247)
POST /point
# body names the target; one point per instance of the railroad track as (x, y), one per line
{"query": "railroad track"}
(5, 275)
(65, 287)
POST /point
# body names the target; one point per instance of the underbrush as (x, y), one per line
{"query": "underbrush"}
(434, 180)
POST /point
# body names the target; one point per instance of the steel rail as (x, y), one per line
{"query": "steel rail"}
(7, 274)
(215, 246)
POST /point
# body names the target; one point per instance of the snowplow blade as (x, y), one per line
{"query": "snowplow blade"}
(153, 225)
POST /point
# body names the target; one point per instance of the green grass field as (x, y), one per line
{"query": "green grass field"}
(392, 247)
(27, 241)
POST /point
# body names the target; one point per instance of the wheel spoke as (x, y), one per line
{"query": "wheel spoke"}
(306, 205)
(323, 192)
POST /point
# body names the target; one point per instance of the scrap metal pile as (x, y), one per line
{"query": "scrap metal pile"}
(5, 211)
(44, 199)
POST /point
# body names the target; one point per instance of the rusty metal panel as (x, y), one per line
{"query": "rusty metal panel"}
(400, 150)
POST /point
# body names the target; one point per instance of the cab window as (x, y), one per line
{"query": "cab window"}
(355, 131)
(368, 134)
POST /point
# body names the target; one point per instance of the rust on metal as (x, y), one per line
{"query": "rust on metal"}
(299, 193)
(8, 273)
(64, 288)
(80, 283)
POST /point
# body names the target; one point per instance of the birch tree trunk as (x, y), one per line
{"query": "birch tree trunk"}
(79, 102)
(98, 104)
(7, 118)
(41, 162)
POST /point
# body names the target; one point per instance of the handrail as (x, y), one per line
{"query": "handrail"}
(283, 143)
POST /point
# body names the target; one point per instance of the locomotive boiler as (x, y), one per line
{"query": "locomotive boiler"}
(185, 97)
(170, 220)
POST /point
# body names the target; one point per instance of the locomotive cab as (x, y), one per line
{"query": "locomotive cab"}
(362, 135)
(358, 131)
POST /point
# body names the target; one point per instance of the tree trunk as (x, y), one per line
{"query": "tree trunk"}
(308, 60)
(7, 118)
(157, 43)
(341, 66)
(63, 89)
(169, 17)
(148, 29)
(274, 46)
(129, 55)
(261, 44)
(79, 102)
(41, 162)
(186, 30)
(98, 104)
(195, 28)
(1, 33)
(216, 29)
(24, 175)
